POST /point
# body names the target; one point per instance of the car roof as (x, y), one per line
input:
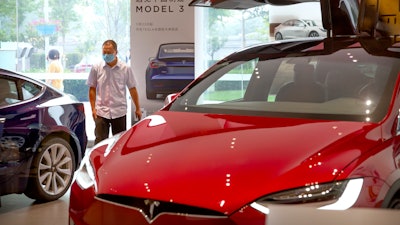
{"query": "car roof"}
(15, 74)
(317, 46)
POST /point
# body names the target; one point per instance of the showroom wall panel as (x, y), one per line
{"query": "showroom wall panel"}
(154, 22)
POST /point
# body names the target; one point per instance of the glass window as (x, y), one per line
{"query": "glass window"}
(30, 31)
(30, 90)
(321, 86)
(8, 92)
(298, 23)
(176, 50)
(225, 31)
(231, 86)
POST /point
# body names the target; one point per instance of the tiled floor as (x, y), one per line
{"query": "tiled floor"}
(21, 210)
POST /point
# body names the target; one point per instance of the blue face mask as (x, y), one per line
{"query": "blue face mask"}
(108, 57)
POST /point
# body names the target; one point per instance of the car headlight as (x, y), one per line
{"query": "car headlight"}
(85, 176)
(339, 195)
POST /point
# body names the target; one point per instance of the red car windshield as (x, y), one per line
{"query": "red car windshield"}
(348, 84)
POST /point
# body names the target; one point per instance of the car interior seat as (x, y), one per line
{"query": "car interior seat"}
(5, 92)
(303, 88)
(344, 83)
(374, 89)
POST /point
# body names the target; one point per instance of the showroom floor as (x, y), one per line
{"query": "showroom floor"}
(21, 210)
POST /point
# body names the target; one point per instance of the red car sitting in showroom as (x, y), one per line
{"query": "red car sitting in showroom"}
(309, 122)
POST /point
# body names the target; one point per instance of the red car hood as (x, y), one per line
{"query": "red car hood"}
(223, 162)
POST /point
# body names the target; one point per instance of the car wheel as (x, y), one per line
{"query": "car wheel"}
(395, 203)
(313, 34)
(51, 171)
(278, 36)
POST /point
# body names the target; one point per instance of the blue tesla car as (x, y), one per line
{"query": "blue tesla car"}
(42, 137)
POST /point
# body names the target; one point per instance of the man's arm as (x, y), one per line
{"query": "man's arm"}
(92, 100)
(135, 98)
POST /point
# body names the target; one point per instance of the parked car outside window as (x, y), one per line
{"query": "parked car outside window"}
(298, 28)
(86, 64)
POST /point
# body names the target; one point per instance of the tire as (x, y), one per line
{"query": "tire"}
(52, 171)
(395, 203)
(278, 36)
(150, 94)
(313, 34)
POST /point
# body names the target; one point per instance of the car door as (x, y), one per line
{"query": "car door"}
(19, 125)
(299, 29)
(288, 29)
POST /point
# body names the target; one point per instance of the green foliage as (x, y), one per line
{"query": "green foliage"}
(215, 23)
(37, 62)
(222, 95)
(87, 46)
(115, 15)
(215, 42)
(72, 59)
(8, 19)
(231, 85)
(63, 12)
(77, 88)
(217, 16)
(32, 36)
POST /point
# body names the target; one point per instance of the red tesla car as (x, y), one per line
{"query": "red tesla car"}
(311, 121)
(307, 122)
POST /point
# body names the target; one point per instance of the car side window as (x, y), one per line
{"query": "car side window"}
(284, 75)
(231, 86)
(8, 92)
(288, 23)
(298, 24)
(29, 90)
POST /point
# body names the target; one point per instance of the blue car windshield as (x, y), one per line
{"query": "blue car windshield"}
(349, 84)
(176, 51)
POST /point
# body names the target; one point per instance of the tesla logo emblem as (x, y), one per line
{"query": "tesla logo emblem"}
(152, 205)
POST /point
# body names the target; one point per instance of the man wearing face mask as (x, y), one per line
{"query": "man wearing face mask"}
(107, 83)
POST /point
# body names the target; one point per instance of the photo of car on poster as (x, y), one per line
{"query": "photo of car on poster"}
(154, 25)
(171, 70)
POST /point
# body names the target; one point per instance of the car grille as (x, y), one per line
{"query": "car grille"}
(152, 208)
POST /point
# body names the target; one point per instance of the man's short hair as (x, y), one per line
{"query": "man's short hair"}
(111, 42)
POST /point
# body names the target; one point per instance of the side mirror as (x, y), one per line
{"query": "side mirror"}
(170, 98)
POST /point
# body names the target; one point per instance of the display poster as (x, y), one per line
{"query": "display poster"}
(155, 22)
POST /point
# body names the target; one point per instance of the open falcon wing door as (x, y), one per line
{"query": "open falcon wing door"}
(380, 18)
(228, 4)
(339, 17)
(243, 4)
